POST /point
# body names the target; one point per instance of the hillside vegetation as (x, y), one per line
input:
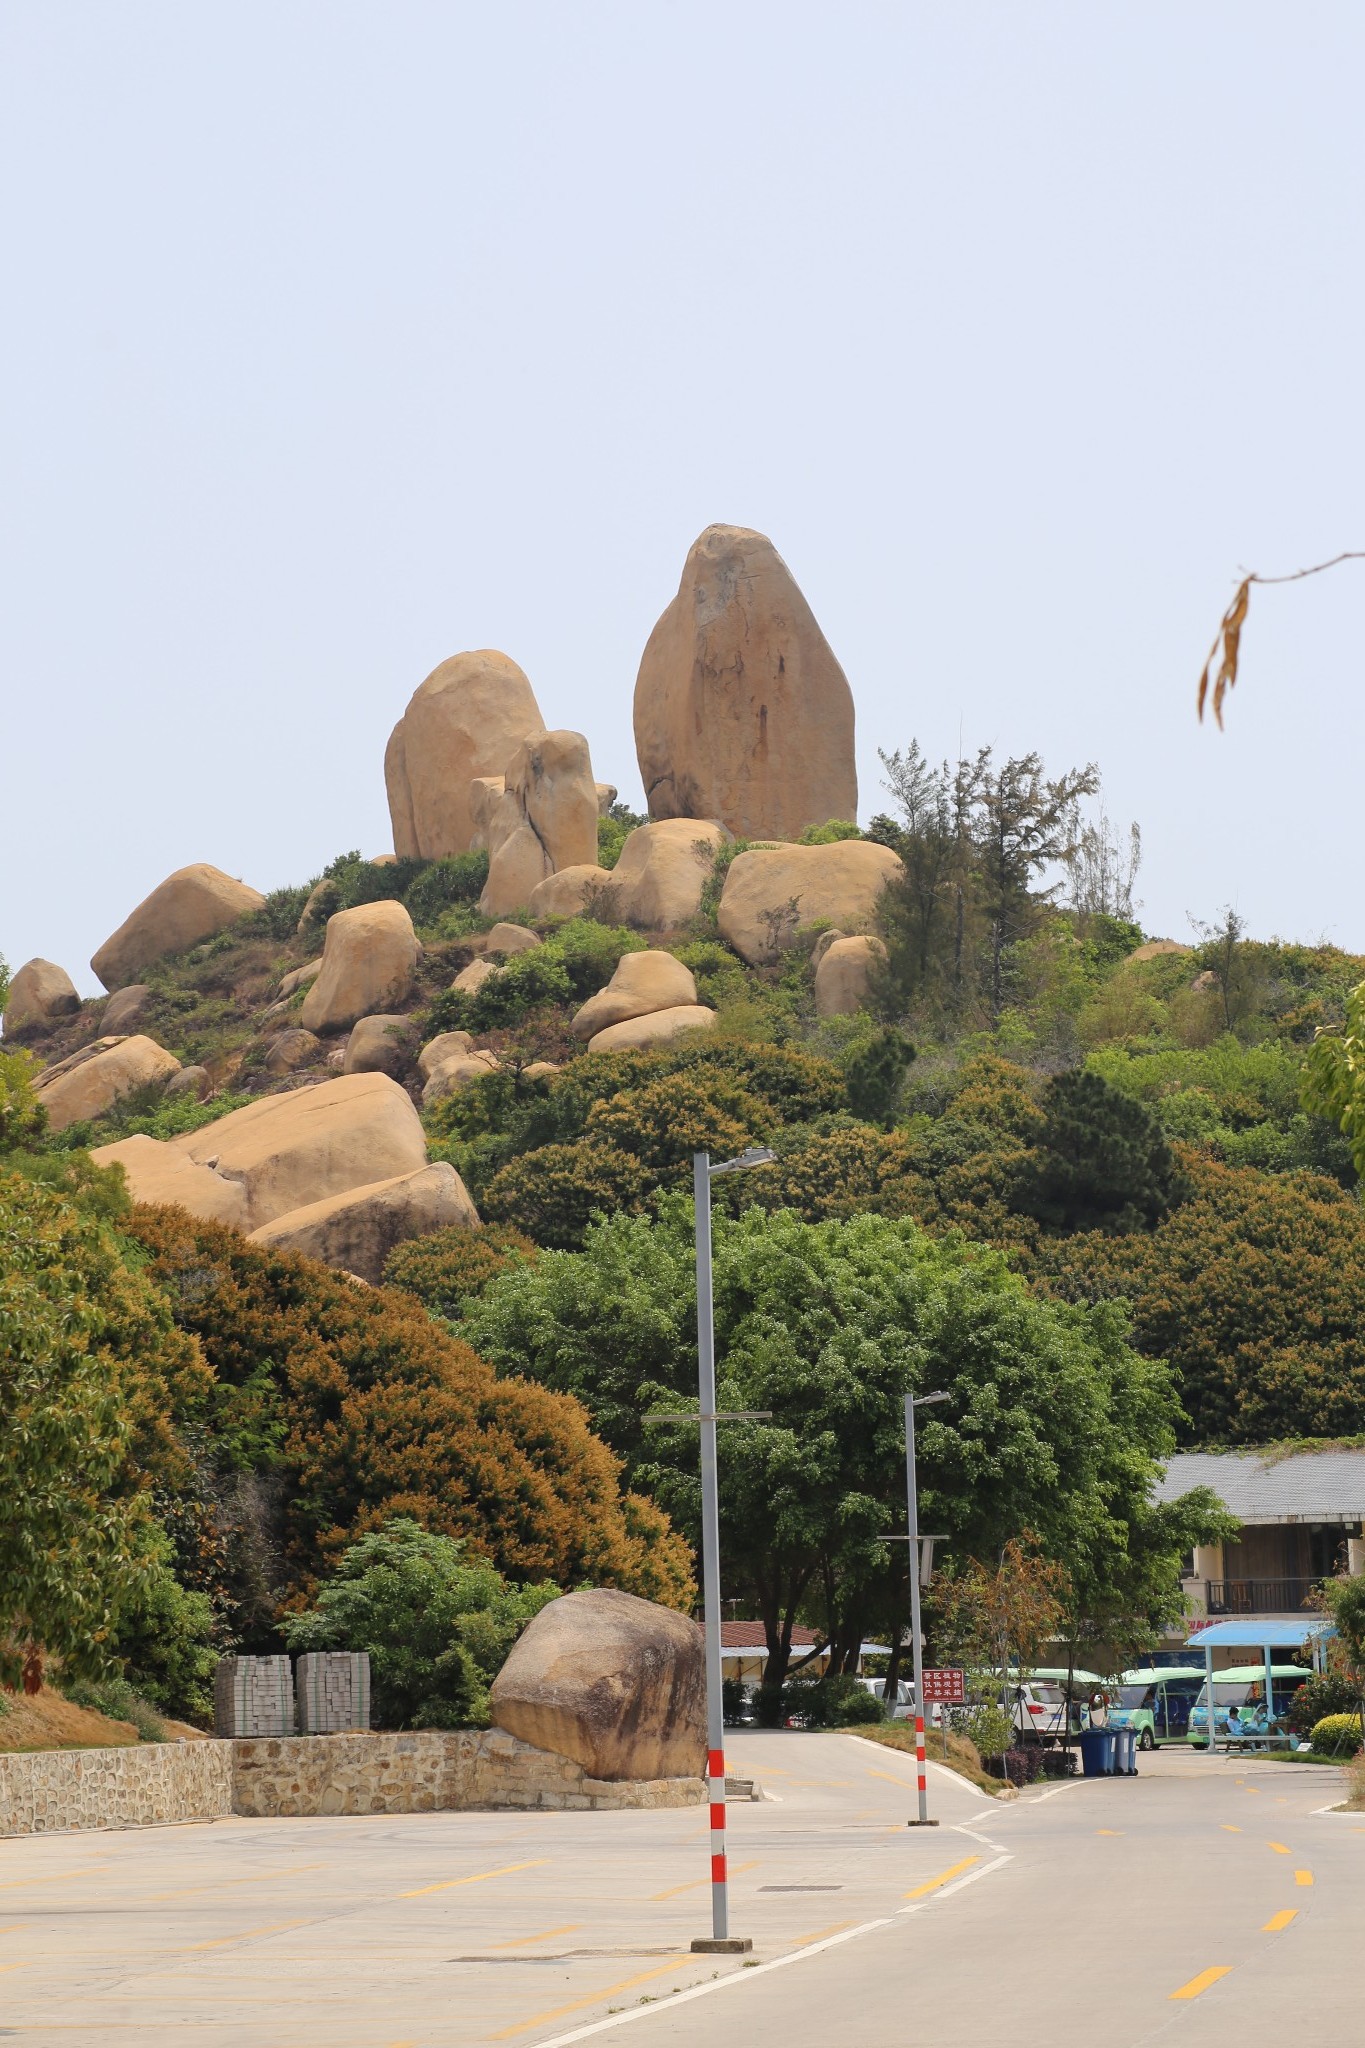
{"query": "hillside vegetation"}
(1065, 1173)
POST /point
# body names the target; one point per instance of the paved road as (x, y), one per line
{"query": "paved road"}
(1072, 1914)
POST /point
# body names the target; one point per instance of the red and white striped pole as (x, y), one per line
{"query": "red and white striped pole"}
(720, 1876)
(920, 1769)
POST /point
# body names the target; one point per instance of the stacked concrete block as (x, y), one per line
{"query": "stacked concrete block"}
(253, 1696)
(334, 1691)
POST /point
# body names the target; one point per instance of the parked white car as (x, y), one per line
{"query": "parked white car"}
(904, 1708)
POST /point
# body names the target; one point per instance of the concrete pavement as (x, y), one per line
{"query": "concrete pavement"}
(1077, 1908)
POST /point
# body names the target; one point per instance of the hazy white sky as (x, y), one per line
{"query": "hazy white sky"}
(341, 337)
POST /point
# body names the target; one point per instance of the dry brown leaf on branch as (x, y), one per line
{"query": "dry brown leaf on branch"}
(1229, 634)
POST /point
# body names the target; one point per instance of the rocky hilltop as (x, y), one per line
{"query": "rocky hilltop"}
(303, 1049)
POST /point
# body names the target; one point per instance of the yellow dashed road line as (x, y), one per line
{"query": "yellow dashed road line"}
(479, 1877)
(1202, 1982)
(525, 1940)
(657, 1898)
(250, 1934)
(944, 1877)
(1304, 1877)
(1278, 1921)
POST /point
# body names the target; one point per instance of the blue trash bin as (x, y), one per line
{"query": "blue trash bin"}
(1125, 1762)
(1097, 1753)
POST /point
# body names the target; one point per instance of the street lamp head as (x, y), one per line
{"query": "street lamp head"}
(757, 1155)
(924, 1400)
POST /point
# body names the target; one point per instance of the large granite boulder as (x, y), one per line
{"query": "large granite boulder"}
(546, 818)
(379, 1045)
(459, 1071)
(569, 891)
(662, 869)
(843, 975)
(90, 1082)
(369, 958)
(447, 1045)
(466, 720)
(742, 712)
(634, 1033)
(771, 892)
(127, 1010)
(193, 904)
(281, 1152)
(642, 983)
(40, 995)
(357, 1230)
(614, 1682)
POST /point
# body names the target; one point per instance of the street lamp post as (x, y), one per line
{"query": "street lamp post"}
(721, 1940)
(918, 1569)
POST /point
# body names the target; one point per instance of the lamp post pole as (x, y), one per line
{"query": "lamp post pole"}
(721, 1940)
(913, 1541)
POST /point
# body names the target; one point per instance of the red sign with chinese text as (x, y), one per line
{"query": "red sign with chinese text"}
(945, 1687)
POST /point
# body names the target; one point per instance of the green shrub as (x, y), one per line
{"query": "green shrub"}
(838, 1702)
(554, 1193)
(528, 981)
(828, 834)
(1313, 1702)
(591, 953)
(117, 1701)
(437, 1624)
(988, 1727)
(445, 885)
(664, 1124)
(449, 1268)
(22, 1117)
(278, 917)
(874, 1074)
(1336, 1735)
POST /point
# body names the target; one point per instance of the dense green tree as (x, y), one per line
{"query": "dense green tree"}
(1054, 1422)
(436, 1622)
(1334, 1081)
(1253, 1289)
(874, 1074)
(87, 1356)
(1101, 1161)
(448, 1268)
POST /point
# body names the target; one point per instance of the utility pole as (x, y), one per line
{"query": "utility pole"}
(920, 1564)
(721, 1941)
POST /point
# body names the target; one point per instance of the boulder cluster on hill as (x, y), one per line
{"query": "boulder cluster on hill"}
(744, 729)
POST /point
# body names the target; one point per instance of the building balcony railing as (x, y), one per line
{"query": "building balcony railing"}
(1257, 1596)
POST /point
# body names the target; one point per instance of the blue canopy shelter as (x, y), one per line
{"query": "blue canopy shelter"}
(1266, 1635)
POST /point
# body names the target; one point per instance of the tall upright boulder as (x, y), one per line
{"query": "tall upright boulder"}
(193, 904)
(742, 712)
(465, 721)
(545, 819)
(369, 957)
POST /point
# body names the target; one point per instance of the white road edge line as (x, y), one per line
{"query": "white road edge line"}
(747, 1976)
(642, 2012)
(959, 1884)
(972, 1835)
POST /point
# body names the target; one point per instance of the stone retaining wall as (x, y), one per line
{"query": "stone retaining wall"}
(52, 1791)
(47, 1791)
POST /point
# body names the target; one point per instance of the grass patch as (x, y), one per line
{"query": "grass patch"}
(962, 1755)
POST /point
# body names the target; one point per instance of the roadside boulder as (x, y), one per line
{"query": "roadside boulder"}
(193, 904)
(655, 1029)
(40, 995)
(89, 1082)
(771, 892)
(471, 979)
(663, 869)
(357, 1230)
(195, 1081)
(569, 891)
(843, 977)
(369, 958)
(742, 712)
(378, 1045)
(616, 1683)
(466, 720)
(642, 983)
(282, 1152)
(545, 819)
